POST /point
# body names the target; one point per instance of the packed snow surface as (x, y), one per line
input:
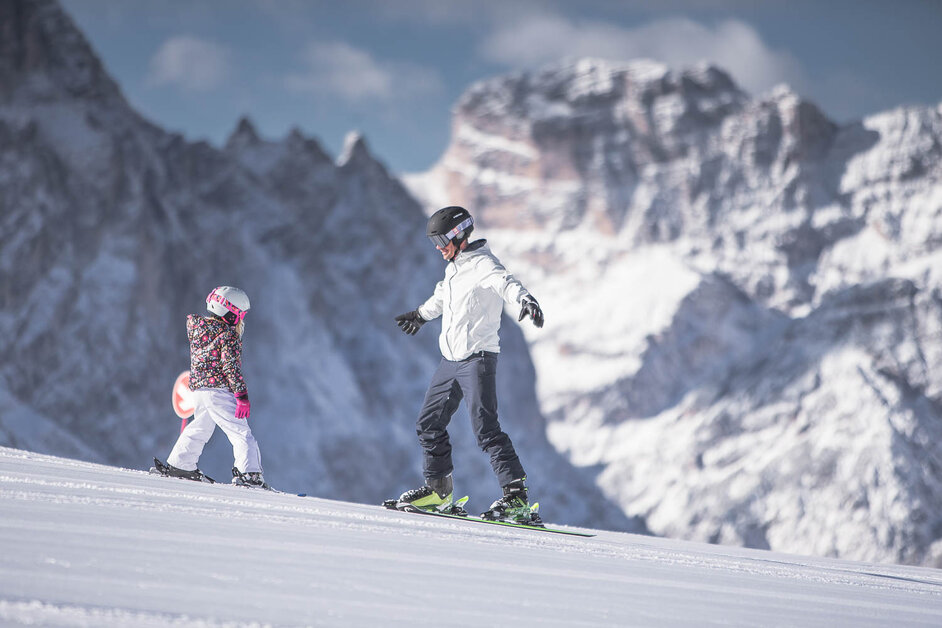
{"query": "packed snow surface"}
(89, 545)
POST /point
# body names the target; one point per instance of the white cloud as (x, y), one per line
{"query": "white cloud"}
(679, 42)
(354, 75)
(190, 63)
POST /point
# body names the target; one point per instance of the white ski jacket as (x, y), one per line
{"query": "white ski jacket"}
(470, 300)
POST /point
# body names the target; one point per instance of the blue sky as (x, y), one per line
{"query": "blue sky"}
(393, 69)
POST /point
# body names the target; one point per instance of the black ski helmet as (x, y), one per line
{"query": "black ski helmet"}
(449, 223)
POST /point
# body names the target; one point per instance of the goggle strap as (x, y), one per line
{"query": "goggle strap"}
(464, 225)
(442, 240)
(226, 304)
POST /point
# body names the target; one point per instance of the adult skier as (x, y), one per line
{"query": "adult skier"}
(470, 300)
(220, 396)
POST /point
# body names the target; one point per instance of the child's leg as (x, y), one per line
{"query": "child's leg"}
(186, 452)
(244, 447)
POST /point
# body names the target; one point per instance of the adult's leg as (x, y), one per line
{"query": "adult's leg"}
(441, 401)
(477, 377)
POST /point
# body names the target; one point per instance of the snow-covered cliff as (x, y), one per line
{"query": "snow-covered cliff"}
(742, 298)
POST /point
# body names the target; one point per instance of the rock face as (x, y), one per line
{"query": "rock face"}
(112, 230)
(742, 298)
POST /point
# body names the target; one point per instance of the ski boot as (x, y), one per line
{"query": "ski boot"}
(437, 495)
(252, 479)
(170, 471)
(514, 506)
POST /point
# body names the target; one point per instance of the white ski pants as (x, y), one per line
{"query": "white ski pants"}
(215, 406)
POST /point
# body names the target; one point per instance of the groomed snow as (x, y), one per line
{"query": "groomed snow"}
(90, 545)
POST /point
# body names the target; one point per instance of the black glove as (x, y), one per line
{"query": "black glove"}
(410, 322)
(529, 307)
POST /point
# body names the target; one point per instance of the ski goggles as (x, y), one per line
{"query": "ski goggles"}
(216, 298)
(442, 239)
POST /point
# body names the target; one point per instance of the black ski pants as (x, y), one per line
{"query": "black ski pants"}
(474, 379)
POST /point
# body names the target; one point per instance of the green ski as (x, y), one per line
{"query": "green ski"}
(457, 511)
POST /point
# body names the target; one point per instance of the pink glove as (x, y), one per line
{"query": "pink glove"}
(243, 407)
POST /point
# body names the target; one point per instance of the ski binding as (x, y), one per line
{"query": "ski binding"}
(164, 469)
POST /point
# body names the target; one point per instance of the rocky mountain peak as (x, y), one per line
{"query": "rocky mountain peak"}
(243, 136)
(354, 150)
(809, 130)
(298, 142)
(288, 161)
(590, 86)
(567, 144)
(43, 56)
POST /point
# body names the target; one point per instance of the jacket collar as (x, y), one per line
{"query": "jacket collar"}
(472, 249)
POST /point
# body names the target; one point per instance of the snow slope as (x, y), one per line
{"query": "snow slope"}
(83, 544)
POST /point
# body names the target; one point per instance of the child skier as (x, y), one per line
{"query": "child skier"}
(470, 300)
(220, 396)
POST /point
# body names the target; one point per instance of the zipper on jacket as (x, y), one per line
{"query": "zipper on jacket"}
(451, 309)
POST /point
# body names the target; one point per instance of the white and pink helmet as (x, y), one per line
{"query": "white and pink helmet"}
(229, 303)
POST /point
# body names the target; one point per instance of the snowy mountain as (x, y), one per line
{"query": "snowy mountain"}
(89, 545)
(113, 230)
(743, 299)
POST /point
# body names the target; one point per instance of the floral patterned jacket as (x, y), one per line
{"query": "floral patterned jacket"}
(215, 354)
